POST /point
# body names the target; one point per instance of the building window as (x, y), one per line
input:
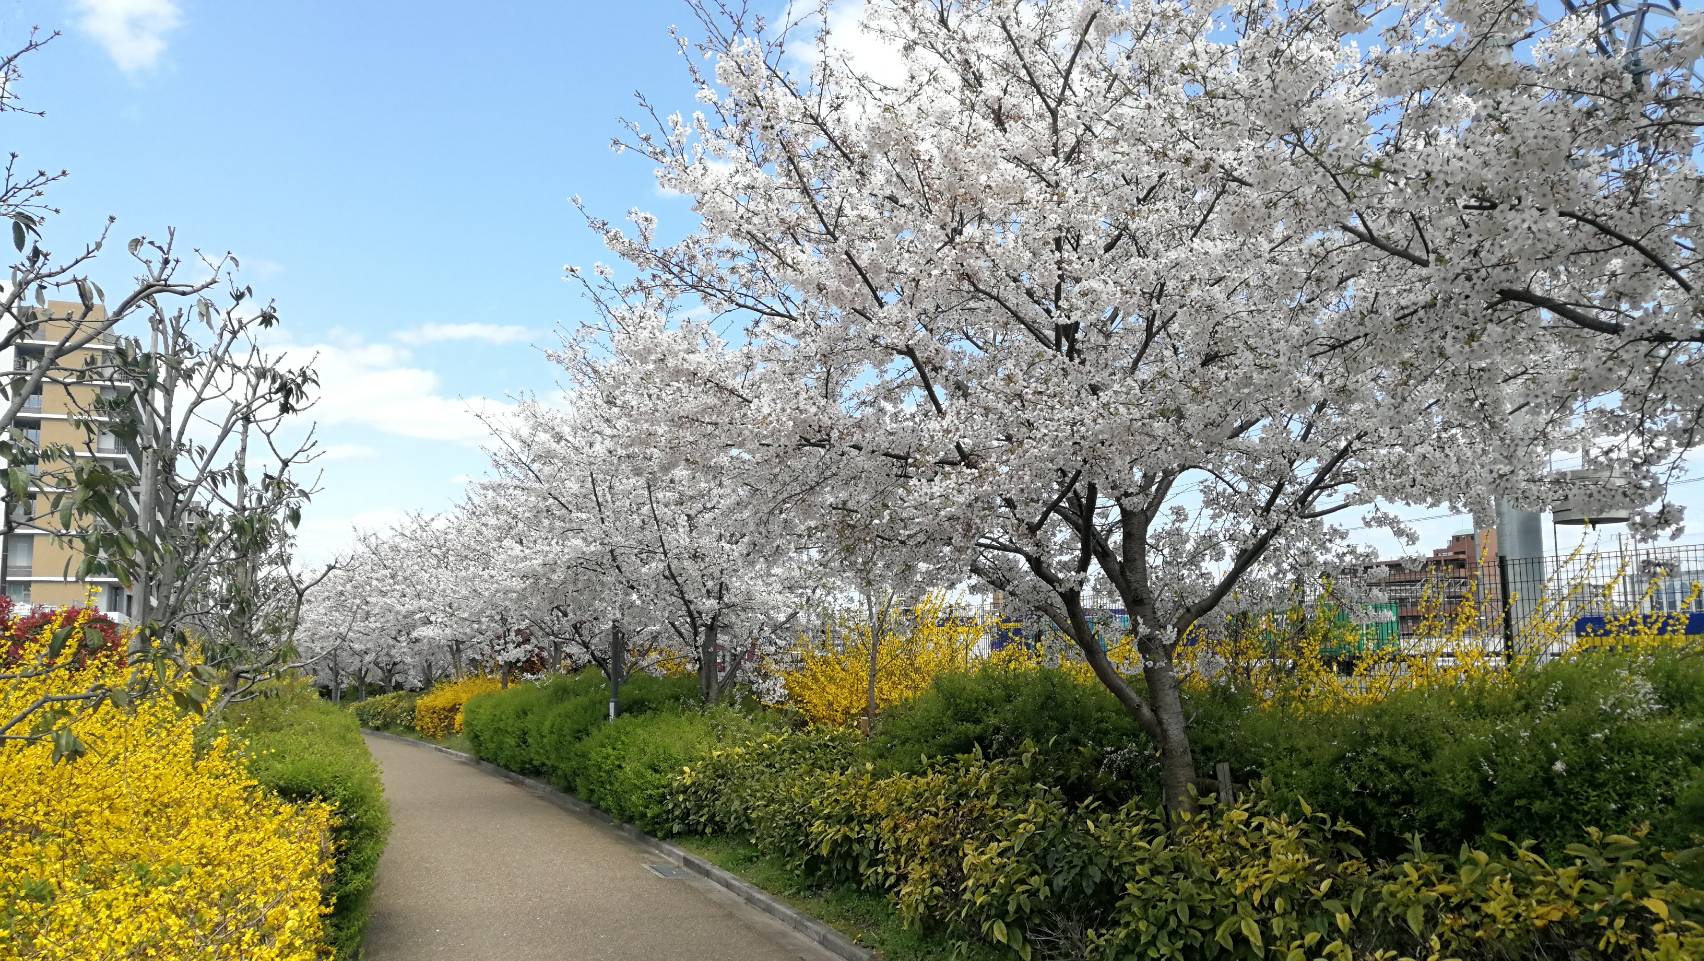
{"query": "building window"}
(113, 600)
(20, 556)
(18, 591)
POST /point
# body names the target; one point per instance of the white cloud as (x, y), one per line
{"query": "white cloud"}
(320, 539)
(262, 267)
(489, 333)
(133, 32)
(332, 452)
(867, 51)
(378, 386)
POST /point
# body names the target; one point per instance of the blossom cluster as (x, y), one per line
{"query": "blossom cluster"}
(148, 846)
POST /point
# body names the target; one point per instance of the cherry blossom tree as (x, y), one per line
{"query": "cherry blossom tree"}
(662, 525)
(1142, 298)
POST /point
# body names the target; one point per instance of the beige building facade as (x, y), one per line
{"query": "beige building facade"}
(41, 559)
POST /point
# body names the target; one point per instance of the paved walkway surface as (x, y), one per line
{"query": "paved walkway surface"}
(479, 869)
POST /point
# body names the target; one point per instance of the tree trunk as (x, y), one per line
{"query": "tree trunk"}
(617, 664)
(707, 673)
(868, 723)
(1160, 715)
(1165, 697)
(878, 621)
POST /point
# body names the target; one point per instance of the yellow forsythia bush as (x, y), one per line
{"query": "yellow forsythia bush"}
(830, 682)
(145, 847)
(1288, 657)
(438, 713)
(1054, 652)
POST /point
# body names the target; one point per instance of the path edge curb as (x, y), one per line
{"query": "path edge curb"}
(830, 939)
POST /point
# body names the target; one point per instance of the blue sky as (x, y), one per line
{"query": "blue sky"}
(389, 178)
(397, 180)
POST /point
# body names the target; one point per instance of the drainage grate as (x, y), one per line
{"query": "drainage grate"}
(666, 870)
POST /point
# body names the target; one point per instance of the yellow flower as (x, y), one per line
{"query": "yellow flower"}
(438, 713)
(147, 847)
(830, 684)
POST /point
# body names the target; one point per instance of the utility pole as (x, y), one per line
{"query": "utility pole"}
(1520, 555)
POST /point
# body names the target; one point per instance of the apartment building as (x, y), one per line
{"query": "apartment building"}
(40, 559)
(1462, 572)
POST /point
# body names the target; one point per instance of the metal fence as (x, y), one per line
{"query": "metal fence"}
(1520, 604)
(1442, 605)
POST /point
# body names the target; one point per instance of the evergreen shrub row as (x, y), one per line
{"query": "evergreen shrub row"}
(306, 749)
(1551, 813)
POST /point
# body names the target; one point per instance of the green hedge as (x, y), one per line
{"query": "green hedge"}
(306, 749)
(1607, 741)
(1542, 754)
(629, 767)
(984, 849)
(541, 729)
(1084, 743)
(387, 712)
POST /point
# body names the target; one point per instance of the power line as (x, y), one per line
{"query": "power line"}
(1439, 517)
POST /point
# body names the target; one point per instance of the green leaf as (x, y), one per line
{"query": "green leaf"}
(186, 701)
(1416, 918)
(56, 643)
(1251, 931)
(66, 746)
(19, 236)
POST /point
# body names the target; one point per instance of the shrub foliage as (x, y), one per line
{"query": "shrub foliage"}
(438, 712)
(982, 848)
(1006, 807)
(147, 846)
(308, 751)
(1540, 754)
(387, 712)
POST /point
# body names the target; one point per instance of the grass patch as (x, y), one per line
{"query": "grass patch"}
(869, 919)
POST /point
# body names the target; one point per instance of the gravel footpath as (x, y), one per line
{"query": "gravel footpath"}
(479, 869)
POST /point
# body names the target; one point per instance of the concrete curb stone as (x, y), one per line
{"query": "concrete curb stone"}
(823, 934)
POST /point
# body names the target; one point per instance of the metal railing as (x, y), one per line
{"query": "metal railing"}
(1523, 604)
